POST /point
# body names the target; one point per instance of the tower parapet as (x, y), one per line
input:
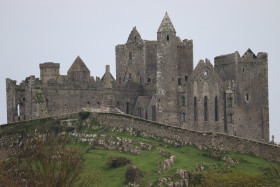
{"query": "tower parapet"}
(49, 70)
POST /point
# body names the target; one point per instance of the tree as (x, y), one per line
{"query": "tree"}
(49, 163)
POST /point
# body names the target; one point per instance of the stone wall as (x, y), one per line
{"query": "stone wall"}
(209, 140)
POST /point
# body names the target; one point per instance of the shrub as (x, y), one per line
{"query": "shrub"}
(46, 163)
(115, 162)
(83, 115)
(133, 175)
(196, 178)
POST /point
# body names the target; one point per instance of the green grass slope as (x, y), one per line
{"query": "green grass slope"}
(188, 158)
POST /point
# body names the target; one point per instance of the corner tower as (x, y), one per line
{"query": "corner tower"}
(167, 73)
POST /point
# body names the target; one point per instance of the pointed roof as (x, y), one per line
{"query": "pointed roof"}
(78, 65)
(249, 51)
(166, 24)
(134, 35)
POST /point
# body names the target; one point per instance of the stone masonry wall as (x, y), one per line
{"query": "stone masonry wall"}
(209, 140)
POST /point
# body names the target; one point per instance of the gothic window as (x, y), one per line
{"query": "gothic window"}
(195, 108)
(216, 109)
(205, 109)
(127, 107)
(130, 55)
(167, 37)
(179, 81)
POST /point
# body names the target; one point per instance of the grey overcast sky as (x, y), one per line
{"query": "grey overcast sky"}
(37, 31)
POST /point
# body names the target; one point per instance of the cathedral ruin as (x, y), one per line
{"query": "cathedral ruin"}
(156, 80)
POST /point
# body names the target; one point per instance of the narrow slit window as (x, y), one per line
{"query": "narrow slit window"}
(154, 113)
(183, 101)
(167, 37)
(247, 97)
(195, 108)
(205, 108)
(127, 107)
(130, 55)
(216, 109)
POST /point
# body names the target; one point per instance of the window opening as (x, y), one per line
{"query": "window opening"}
(205, 109)
(184, 117)
(216, 109)
(247, 97)
(140, 112)
(179, 81)
(127, 107)
(167, 37)
(154, 113)
(195, 108)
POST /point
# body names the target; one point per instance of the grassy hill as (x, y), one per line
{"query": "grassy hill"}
(103, 145)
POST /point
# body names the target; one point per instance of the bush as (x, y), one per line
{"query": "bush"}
(133, 175)
(115, 162)
(83, 115)
(46, 163)
(196, 178)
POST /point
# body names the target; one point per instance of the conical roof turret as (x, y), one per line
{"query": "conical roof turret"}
(166, 24)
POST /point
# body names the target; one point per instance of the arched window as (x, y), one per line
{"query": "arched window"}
(205, 109)
(216, 109)
(195, 108)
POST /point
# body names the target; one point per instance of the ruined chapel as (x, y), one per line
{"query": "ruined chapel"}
(156, 80)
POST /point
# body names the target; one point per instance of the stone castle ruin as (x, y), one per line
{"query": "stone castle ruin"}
(155, 80)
